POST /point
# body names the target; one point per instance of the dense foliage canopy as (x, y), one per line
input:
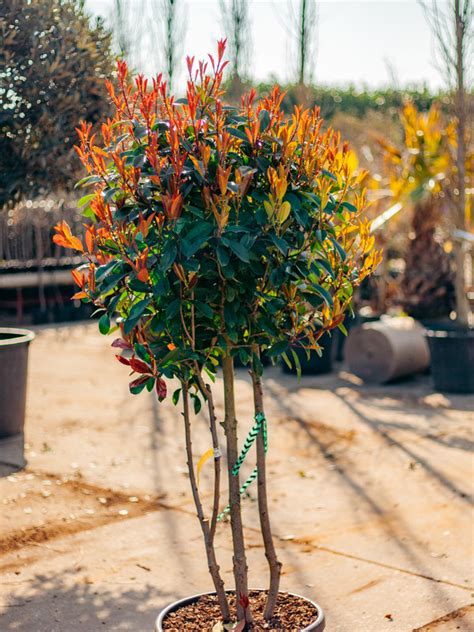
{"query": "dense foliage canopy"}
(53, 66)
(217, 229)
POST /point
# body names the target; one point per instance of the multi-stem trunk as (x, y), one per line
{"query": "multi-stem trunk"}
(239, 557)
(207, 394)
(265, 526)
(206, 530)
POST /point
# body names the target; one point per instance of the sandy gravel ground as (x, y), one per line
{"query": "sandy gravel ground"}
(371, 498)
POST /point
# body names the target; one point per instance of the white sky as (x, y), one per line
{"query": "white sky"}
(357, 41)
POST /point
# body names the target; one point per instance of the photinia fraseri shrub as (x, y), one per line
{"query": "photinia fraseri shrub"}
(217, 231)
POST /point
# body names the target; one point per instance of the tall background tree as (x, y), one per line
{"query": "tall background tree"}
(172, 37)
(452, 26)
(54, 61)
(235, 16)
(302, 26)
(121, 28)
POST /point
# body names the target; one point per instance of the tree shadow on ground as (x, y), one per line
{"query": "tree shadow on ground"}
(400, 535)
(70, 604)
(410, 391)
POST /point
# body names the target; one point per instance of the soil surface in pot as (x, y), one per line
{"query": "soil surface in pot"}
(291, 613)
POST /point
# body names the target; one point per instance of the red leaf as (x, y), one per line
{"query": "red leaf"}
(123, 360)
(161, 389)
(139, 366)
(118, 343)
(143, 379)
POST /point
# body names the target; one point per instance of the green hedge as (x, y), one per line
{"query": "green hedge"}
(354, 101)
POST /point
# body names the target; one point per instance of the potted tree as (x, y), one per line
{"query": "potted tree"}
(213, 228)
(420, 175)
(424, 174)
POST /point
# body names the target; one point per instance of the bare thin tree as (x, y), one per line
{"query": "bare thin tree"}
(121, 28)
(302, 29)
(453, 30)
(235, 17)
(171, 47)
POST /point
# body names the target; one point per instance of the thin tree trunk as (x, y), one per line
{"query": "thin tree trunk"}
(302, 42)
(462, 305)
(207, 393)
(270, 553)
(208, 540)
(239, 557)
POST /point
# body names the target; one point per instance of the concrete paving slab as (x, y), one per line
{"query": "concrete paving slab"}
(370, 487)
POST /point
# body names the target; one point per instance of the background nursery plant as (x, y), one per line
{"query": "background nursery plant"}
(217, 231)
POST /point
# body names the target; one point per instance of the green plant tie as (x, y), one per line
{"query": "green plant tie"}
(260, 424)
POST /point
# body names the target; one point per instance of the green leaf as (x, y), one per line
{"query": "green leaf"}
(329, 174)
(108, 194)
(257, 365)
(240, 250)
(87, 180)
(278, 348)
(325, 265)
(324, 294)
(169, 255)
(135, 314)
(287, 360)
(196, 403)
(297, 362)
(339, 248)
(204, 309)
(211, 375)
(350, 207)
(238, 133)
(279, 243)
(223, 256)
(104, 324)
(175, 396)
(264, 118)
(342, 328)
(173, 308)
(85, 199)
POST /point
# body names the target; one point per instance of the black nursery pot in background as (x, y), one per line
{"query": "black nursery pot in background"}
(316, 365)
(452, 359)
(14, 345)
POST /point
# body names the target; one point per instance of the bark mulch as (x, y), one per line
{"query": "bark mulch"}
(291, 614)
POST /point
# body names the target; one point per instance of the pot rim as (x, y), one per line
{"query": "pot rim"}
(316, 626)
(19, 336)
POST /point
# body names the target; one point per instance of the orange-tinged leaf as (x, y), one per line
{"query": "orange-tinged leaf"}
(143, 275)
(206, 456)
(65, 238)
(79, 278)
(90, 239)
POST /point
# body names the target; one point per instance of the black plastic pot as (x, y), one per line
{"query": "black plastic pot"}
(452, 359)
(316, 365)
(316, 626)
(13, 373)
